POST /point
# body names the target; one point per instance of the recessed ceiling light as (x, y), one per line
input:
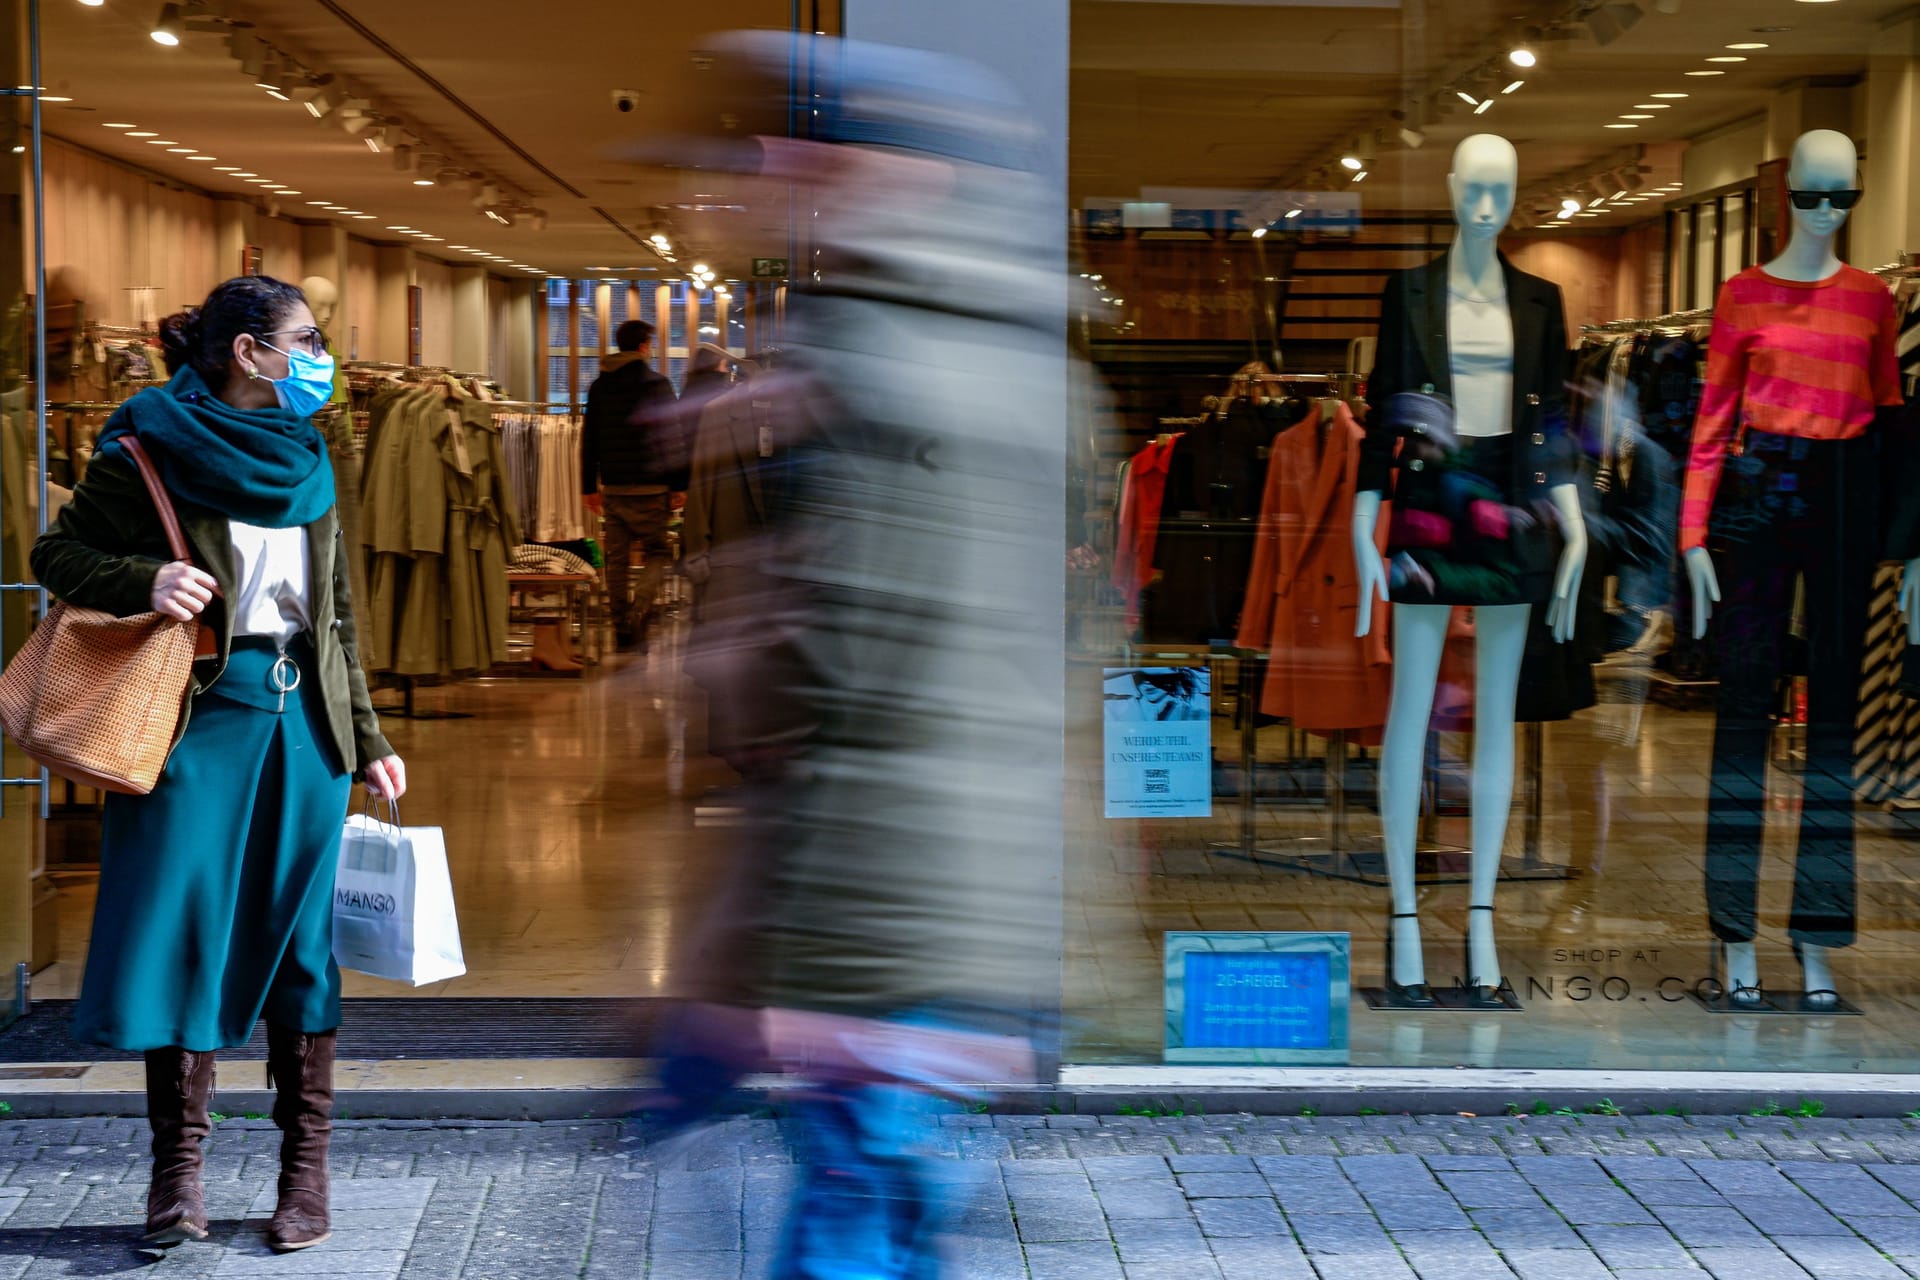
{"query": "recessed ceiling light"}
(143, 134)
(48, 97)
(1706, 73)
(1653, 106)
(289, 191)
(322, 203)
(159, 142)
(351, 213)
(1640, 116)
(243, 173)
(181, 151)
(116, 126)
(1619, 126)
(456, 246)
(1670, 95)
(1586, 215)
(423, 182)
(434, 239)
(366, 217)
(1750, 44)
(399, 228)
(1727, 57)
(203, 157)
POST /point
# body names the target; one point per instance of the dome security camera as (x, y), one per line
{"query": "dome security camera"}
(625, 100)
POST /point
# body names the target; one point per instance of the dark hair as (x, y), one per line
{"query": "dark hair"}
(705, 360)
(203, 336)
(633, 335)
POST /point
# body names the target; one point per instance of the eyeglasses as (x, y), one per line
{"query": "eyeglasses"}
(1809, 200)
(309, 339)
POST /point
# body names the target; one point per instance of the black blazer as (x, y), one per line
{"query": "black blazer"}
(1415, 355)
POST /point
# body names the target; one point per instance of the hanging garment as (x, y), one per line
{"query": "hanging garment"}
(440, 520)
(1138, 523)
(1303, 590)
(1209, 515)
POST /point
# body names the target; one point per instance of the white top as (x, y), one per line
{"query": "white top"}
(273, 581)
(1480, 339)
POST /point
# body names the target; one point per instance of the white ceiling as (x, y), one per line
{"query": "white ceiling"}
(1165, 93)
(524, 93)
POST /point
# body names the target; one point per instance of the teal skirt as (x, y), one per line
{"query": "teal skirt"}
(216, 890)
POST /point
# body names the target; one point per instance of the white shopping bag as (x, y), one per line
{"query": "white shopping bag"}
(393, 911)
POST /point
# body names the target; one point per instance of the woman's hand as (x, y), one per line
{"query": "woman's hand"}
(387, 778)
(182, 591)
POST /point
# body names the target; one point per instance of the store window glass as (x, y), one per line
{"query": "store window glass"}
(1464, 668)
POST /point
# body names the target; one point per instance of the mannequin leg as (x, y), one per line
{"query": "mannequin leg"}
(1500, 643)
(1419, 635)
(1839, 587)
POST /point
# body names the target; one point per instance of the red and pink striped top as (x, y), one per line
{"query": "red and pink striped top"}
(1794, 358)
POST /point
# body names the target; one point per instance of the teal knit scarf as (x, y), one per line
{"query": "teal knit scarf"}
(265, 467)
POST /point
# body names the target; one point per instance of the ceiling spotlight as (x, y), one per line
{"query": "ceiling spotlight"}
(1294, 213)
(1360, 176)
(1352, 162)
(274, 79)
(1515, 87)
(1259, 233)
(1569, 207)
(168, 27)
(700, 269)
(1521, 56)
(116, 126)
(1482, 108)
(93, 4)
(1611, 21)
(423, 182)
(1466, 97)
(373, 144)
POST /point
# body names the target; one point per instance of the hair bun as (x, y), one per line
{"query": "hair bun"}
(179, 335)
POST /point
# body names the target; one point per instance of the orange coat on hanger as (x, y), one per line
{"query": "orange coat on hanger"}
(1301, 593)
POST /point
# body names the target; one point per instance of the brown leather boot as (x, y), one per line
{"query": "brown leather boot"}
(300, 1068)
(179, 1090)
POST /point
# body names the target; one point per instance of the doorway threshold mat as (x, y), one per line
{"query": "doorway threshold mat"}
(390, 1028)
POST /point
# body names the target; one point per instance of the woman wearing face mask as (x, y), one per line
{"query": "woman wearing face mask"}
(216, 890)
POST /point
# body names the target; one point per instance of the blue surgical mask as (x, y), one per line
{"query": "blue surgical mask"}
(308, 384)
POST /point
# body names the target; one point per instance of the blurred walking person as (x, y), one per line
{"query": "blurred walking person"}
(892, 917)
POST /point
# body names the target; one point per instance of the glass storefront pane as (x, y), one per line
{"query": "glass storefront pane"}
(1288, 324)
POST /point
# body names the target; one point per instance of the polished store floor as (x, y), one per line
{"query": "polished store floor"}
(568, 811)
(1601, 953)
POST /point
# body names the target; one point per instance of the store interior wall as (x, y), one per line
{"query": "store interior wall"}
(133, 247)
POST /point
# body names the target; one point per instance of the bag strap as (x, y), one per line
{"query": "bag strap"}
(162, 503)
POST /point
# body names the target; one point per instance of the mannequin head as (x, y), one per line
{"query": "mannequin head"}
(1486, 171)
(1823, 160)
(324, 297)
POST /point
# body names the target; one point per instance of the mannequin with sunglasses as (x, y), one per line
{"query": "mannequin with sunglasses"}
(1783, 492)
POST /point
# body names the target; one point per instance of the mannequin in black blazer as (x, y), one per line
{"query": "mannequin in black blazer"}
(1472, 327)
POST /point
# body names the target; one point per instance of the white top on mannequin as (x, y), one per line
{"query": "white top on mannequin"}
(1480, 346)
(273, 578)
(1484, 183)
(323, 299)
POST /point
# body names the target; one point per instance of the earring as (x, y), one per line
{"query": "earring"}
(252, 372)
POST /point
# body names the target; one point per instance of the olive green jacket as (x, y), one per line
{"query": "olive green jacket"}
(108, 543)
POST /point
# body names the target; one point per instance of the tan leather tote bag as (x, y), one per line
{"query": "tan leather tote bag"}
(95, 698)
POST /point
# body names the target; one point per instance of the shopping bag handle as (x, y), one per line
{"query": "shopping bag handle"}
(371, 809)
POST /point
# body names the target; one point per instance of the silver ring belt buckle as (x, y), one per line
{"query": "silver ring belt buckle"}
(284, 677)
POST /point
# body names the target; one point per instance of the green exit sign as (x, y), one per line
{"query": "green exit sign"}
(770, 268)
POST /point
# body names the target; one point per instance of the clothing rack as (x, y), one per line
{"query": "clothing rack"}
(1672, 320)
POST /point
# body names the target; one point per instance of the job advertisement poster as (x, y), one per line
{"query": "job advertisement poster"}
(1159, 722)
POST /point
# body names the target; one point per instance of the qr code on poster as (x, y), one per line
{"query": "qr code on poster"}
(1159, 781)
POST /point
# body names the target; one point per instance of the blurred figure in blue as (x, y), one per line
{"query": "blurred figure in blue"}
(892, 922)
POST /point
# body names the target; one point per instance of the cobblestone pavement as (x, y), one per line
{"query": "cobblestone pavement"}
(1055, 1198)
